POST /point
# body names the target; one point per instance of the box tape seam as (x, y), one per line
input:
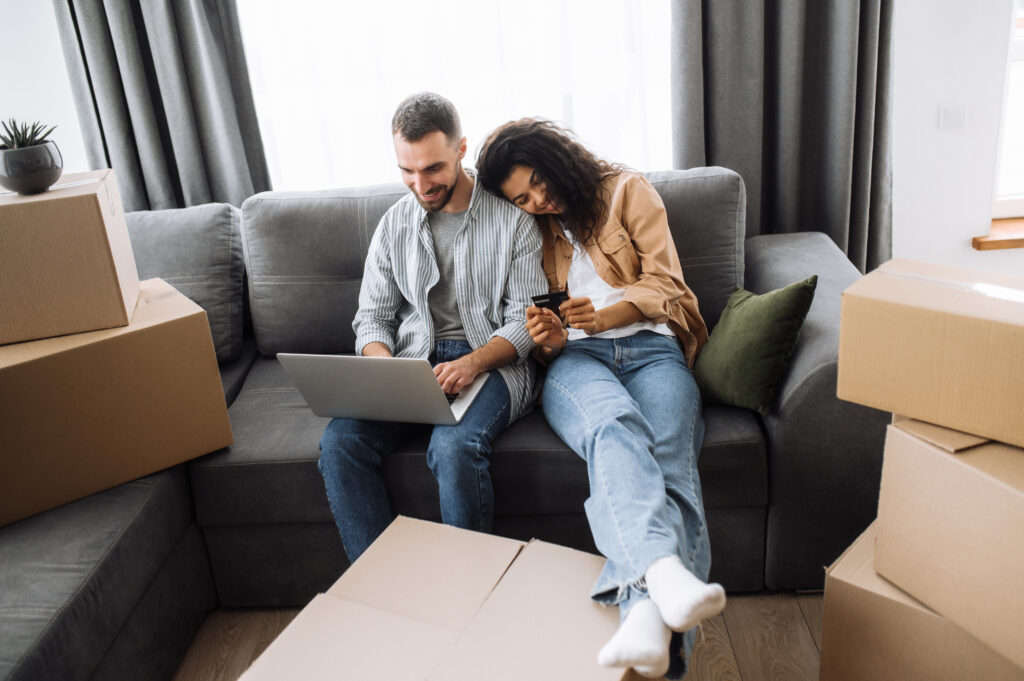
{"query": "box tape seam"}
(987, 290)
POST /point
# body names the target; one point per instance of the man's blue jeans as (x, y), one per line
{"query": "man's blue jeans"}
(631, 408)
(351, 452)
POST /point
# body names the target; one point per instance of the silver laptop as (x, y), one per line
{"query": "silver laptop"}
(376, 388)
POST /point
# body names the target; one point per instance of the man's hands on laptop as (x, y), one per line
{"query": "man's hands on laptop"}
(456, 375)
(453, 376)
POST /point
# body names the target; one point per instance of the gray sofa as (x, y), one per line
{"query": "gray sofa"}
(250, 526)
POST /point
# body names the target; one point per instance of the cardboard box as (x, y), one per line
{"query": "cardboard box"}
(951, 529)
(431, 602)
(66, 263)
(83, 413)
(940, 344)
(872, 630)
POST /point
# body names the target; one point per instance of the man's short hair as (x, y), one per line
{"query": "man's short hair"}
(423, 113)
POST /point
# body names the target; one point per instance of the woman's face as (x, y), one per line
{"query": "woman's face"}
(526, 190)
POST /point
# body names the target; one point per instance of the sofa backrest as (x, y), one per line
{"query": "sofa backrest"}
(198, 251)
(707, 210)
(304, 253)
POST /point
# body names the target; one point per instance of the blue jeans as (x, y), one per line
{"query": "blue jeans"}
(630, 407)
(351, 452)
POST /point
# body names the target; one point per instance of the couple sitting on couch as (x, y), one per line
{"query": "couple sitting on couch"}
(449, 276)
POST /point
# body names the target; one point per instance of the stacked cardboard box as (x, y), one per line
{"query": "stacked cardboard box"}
(66, 263)
(873, 630)
(935, 588)
(111, 379)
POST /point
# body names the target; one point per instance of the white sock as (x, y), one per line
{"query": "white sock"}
(683, 600)
(641, 642)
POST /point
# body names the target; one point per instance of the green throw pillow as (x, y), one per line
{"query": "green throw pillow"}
(750, 347)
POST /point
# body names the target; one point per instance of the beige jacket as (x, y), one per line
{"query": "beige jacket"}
(634, 251)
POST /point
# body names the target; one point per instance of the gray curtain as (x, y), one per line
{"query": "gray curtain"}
(795, 96)
(163, 98)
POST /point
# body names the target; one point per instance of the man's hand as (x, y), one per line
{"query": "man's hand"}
(376, 349)
(454, 376)
(580, 314)
(545, 327)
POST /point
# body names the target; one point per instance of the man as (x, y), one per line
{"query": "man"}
(448, 277)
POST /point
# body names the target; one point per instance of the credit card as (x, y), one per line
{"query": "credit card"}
(551, 300)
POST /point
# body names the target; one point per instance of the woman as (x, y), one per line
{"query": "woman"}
(619, 389)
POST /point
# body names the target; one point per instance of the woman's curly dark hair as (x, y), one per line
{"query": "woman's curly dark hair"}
(573, 175)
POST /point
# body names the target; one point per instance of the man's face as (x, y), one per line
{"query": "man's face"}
(430, 167)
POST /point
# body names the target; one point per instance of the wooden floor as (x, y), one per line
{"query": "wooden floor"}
(770, 637)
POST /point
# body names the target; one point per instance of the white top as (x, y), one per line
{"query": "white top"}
(584, 282)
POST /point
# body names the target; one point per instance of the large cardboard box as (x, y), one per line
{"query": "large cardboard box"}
(83, 413)
(872, 630)
(951, 529)
(66, 264)
(431, 602)
(940, 344)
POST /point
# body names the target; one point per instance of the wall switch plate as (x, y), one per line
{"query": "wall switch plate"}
(952, 116)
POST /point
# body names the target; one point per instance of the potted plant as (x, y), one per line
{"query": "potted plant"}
(29, 163)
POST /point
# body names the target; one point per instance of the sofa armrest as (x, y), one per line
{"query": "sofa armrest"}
(824, 454)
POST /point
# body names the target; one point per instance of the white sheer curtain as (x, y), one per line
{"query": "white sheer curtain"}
(327, 76)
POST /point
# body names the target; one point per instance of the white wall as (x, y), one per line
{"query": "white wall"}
(948, 53)
(35, 85)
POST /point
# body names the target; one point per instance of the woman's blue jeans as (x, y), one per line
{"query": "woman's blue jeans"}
(351, 452)
(631, 408)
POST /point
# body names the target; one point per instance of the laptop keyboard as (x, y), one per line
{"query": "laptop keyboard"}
(451, 398)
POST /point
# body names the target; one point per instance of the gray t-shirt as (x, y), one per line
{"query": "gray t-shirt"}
(444, 305)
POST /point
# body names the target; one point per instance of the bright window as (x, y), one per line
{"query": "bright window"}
(327, 76)
(1009, 200)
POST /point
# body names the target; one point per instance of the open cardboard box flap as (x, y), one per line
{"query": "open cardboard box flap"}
(428, 572)
(432, 602)
(944, 438)
(1002, 463)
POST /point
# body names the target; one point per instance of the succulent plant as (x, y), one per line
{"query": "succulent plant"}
(15, 136)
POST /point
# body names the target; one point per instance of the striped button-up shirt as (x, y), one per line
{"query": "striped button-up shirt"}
(497, 269)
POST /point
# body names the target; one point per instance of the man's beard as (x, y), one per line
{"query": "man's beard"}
(445, 195)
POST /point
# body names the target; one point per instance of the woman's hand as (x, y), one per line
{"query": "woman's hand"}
(545, 328)
(580, 314)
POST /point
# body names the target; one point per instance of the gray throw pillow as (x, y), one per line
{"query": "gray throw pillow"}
(198, 251)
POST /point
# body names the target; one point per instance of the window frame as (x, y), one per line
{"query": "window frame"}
(1012, 206)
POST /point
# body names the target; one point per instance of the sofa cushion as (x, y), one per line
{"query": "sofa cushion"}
(71, 577)
(535, 473)
(198, 251)
(160, 629)
(304, 254)
(233, 372)
(269, 474)
(749, 349)
(706, 212)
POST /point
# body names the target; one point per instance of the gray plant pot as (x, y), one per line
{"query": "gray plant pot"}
(30, 170)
